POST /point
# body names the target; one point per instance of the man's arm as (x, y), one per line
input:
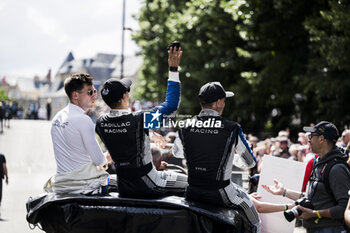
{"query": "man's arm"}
(268, 207)
(309, 213)
(243, 157)
(172, 98)
(279, 189)
(87, 132)
(339, 181)
(5, 172)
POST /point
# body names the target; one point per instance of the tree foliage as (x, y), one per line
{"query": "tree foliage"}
(3, 95)
(287, 61)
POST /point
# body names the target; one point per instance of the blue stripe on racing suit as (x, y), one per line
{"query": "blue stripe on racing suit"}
(172, 100)
(245, 157)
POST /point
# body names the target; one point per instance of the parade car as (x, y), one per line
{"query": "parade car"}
(98, 214)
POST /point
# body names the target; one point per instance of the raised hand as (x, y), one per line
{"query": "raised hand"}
(174, 57)
(278, 189)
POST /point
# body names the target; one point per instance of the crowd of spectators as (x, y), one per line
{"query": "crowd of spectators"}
(8, 110)
(11, 109)
(282, 146)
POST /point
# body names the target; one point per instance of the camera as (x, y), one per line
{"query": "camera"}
(290, 215)
(174, 44)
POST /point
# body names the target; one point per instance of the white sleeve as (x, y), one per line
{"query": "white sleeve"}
(174, 76)
(87, 131)
(243, 155)
(178, 149)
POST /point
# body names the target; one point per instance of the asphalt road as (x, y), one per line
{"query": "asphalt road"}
(28, 150)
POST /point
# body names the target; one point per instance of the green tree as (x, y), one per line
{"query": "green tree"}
(287, 61)
(278, 45)
(3, 95)
(327, 80)
(153, 38)
(209, 39)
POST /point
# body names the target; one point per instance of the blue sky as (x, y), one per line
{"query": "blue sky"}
(37, 35)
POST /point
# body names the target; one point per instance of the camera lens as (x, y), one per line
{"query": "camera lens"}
(290, 215)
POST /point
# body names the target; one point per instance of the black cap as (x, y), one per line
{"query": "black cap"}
(113, 89)
(325, 128)
(212, 92)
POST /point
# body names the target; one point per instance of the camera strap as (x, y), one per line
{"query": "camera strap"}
(324, 176)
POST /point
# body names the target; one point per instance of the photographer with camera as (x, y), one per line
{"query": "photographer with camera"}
(322, 210)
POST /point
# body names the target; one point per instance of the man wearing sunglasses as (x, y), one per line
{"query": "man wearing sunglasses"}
(77, 152)
(328, 184)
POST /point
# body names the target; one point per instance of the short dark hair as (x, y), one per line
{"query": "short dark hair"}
(115, 105)
(209, 105)
(76, 82)
(330, 142)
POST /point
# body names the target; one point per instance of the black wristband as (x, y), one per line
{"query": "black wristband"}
(173, 68)
(284, 192)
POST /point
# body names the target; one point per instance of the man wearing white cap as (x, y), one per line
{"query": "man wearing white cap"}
(211, 151)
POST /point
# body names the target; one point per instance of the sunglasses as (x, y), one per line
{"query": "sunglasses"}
(311, 135)
(90, 92)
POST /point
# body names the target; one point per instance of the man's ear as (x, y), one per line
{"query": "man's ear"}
(215, 104)
(219, 102)
(75, 95)
(124, 95)
(322, 138)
